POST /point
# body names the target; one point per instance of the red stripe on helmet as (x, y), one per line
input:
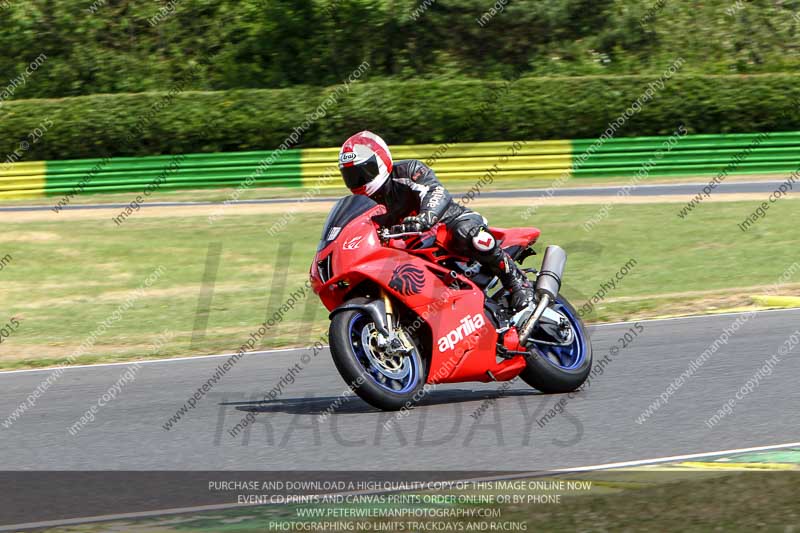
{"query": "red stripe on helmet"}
(361, 138)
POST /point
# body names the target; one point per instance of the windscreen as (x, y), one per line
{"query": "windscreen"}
(342, 213)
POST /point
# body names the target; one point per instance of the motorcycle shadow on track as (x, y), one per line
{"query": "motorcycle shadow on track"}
(317, 406)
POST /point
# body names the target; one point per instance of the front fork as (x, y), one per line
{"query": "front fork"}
(395, 343)
(387, 303)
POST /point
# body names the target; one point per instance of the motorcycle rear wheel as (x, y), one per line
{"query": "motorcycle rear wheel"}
(555, 370)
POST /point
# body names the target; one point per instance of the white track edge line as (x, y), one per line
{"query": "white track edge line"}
(644, 462)
(149, 361)
(181, 510)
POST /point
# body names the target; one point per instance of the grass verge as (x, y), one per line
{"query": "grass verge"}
(65, 278)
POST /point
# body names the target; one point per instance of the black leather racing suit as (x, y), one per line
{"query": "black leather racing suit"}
(413, 189)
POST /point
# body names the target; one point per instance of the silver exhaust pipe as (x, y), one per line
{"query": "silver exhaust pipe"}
(548, 283)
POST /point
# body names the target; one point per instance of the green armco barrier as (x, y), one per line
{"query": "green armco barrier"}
(175, 172)
(531, 162)
(741, 153)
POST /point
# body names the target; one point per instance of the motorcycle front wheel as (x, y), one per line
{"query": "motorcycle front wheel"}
(387, 381)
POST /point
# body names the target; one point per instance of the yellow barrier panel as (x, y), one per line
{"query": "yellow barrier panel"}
(540, 160)
(22, 180)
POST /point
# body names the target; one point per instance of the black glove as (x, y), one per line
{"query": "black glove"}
(421, 222)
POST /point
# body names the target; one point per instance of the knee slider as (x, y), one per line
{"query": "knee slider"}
(483, 241)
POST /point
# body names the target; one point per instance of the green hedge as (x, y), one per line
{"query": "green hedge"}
(403, 112)
(105, 46)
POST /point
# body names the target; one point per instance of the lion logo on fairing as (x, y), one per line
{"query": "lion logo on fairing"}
(407, 280)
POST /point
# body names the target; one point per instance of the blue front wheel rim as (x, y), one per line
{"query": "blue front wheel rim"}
(398, 375)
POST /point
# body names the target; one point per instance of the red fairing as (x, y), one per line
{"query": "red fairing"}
(464, 340)
(516, 236)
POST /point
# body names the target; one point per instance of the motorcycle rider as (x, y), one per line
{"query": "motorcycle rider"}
(415, 200)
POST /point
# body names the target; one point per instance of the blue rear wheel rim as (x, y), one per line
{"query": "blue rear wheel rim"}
(378, 376)
(565, 357)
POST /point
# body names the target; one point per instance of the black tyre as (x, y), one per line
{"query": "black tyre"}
(556, 369)
(386, 382)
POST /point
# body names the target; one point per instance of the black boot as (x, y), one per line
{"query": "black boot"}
(504, 267)
(518, 284)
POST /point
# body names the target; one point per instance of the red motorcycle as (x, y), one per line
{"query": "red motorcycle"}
(406, 312)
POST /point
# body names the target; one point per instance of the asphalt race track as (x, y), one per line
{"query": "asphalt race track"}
(446, 432)
(689, 189)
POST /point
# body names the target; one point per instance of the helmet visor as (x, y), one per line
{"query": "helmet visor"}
(360, 174)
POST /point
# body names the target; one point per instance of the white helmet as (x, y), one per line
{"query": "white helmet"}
(365, 163)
